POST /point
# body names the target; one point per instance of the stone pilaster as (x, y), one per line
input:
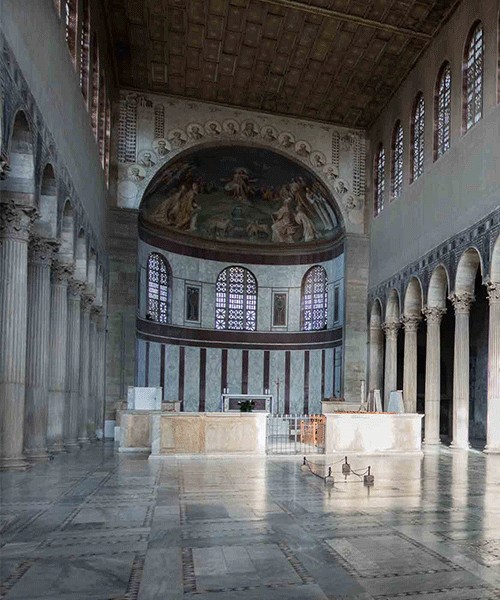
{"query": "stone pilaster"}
(410, 324)
(83, 413)
(433, 316)
(493, 409)
(15, 225)
(376, 358)
(391, 329)
(40, 255)
(75, 291)
(58, 349)
(461, 303)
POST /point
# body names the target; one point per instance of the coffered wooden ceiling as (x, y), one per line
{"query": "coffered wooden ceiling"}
(331, 60)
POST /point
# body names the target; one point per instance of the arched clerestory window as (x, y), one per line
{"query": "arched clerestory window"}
(442, 114)
(158, 275)
(417, 137)
(314, 299)
(397, 160)
(379, 183)
(236, 300)
(473, 76)
(85, 50)
(71, 25)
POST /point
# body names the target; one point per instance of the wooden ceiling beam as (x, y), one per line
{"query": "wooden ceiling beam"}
(341, 16)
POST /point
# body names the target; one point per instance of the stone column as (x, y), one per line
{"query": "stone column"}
(101, 372)
(410, 324)
(75, 290)
(493, 409)
(15, 225)
(376, 357)
(58, 406)
(41, 253)
(433, 315)
(461, 303)
(391, 359)
(93, 372)
(86, 304)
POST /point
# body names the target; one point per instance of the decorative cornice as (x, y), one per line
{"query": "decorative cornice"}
(16, 221)
(433, 314)
(462, 302)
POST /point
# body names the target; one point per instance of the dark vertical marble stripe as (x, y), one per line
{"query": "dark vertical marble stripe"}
(287, 382)
(306, 382)
(244, 372)
(182, 360)
(223, 371)
(203, 379)
(146, 366)
(323, 358)
(162, 370)
(265, 379)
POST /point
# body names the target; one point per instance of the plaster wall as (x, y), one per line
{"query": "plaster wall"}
(462, 186)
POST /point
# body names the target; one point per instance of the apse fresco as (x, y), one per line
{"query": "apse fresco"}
(240, 194)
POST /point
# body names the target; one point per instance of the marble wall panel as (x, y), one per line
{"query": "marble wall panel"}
(155, 366)
(171, 372)
(212, 399)
(191, 379)
(277, 371)
(141, 363)
(328, 372)
(315, 381)
(297, 382)
(255, 371)
(234, 371)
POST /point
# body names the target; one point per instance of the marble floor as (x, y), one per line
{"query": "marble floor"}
(95, 524)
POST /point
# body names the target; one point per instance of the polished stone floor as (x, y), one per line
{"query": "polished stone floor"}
(96, 524)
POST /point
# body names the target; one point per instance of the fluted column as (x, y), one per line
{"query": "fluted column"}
(433, 315)
(391, 329)
(376, 357)
(58, 351)
(15, 225)
(461, 303)
(101, 372)
(75, 290)
(86, 304)
(93, 372)
(40, 255)
(493, 409)
(410, 324)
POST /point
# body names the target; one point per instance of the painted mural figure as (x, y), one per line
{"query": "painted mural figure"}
(249, 130)
(239, 186)
(147, 160)
(161, 147)
(308, 228)
(284, 227)
(186, 210)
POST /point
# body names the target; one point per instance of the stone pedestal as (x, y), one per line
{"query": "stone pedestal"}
(83, 406)
(15, 224)
(461, 304)
(433, 315)
(75, 290)
(493, 409)
(37, 358)
(410, 324)
(58, 350)
(391, 329)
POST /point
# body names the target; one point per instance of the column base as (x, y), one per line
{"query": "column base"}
(37, 455)
(459, 446)
(14, 464)
(491, 450)
(432, 442)
(83, 441)
(72, 445)
(58, 448)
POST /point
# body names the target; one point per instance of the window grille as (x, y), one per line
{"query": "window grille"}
(159, 121)
(379, 180)
(127, 130)
(158, 283)
(236, 300)
(443, 112)
(473, 77)
(94, 106)
(107, 141)
(314, 299)
(101, 136)
(70, 22)
(85, 49)
(418, 142)
(397, 160)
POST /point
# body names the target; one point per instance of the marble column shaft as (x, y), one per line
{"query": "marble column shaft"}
(58, 350)
(40, 257)
(15, 225)
(461, 303)
(410, 324)
(83, 405)
(93, 372)
(493, 407)
(101, 373)
(433, 315)
(391, 329)
(75, 290)
(376, 358)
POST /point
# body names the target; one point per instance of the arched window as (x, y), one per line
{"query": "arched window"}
(314, 299)
(379, 183)
(71, 25)
(442, 107)
(108, 140)
(473, 77)
(236, 300)
(85, 49)
(101, 133)
(417, 137)
(397, 160)
(94, 97)
(158, 274)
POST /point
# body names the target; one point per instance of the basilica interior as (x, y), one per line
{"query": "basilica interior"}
(250, 299)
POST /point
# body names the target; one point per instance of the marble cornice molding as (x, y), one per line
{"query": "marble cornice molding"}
(462, 302)
(391, 329)
(16, 220)
(410, 322)
(434, 314)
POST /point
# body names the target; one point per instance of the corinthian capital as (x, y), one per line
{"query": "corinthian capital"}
(410, 322)
(493, 292)
(41, 251)
(434, 314)
(75, 288)
(16, 221)
(462, 302)
(87, 301)
(391, 329)
(61, 271)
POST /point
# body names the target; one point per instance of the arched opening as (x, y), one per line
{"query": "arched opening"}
(376, 372)
(21, 179)
(495, 262)
(158, 292)
(46, 225)
(413, 373)
(66, 250)
(393, 370)
(236, 300)
(99, 287)
(81, 257)
(92, 272)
